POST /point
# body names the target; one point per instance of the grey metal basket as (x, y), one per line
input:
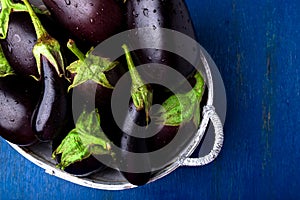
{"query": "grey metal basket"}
(112, 180)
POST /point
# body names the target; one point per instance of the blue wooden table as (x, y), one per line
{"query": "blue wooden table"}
(256, 46)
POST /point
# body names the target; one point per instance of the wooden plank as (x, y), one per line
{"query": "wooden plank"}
(255, 44)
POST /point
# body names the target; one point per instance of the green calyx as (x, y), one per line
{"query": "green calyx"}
(85, 140)
(5, 68)
(46, 45)
(141, 94)
(182, 108)
(8, 6)
(89, 67)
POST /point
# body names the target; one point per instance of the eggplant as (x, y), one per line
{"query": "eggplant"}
(50, 115)
(134, 145)
(157, 14)
(89, 165)
(18, 44)
(93, 78)
(90, 21)
(137, 114)
(177, 121)
(79, 152)
(89, 91)
(85, 167)
(18, 98)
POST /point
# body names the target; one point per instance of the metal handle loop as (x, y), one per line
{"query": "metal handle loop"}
(209, 111)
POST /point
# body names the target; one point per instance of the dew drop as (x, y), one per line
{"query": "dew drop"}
(17, 38)
(135, 14)
(146, 12)
(68, 2)
(12, 120)
(92, 20)
(9, 47)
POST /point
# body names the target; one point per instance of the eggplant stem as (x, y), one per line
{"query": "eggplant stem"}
(86, 139)
(73, 47)
(39, 29)
(89, 67)
(198, 89)
(136, 79)
(140, 93)
(181, 108)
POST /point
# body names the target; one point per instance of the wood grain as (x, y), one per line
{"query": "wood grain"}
(255, 44)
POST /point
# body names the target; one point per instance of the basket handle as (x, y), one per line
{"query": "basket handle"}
(209, 111)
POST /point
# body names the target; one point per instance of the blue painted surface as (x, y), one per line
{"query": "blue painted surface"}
(255, 46)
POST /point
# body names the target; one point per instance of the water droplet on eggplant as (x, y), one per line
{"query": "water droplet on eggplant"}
(135, 14)
(17, 38)
(146, 12)
(68, 2)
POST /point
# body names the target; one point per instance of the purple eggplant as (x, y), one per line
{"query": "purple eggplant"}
(93, 78)
(91, 89)
(89, 21)
(136, 145)
(79, 152)
(137, 114)
(18, 44)
(50, 115)
(18, 98)
(177, 121)
(156, 14)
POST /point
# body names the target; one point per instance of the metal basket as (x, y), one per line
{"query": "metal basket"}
(109, 179)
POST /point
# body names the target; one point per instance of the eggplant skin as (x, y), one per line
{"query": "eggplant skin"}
(90, 21)
(18, 98)
(157, 14)
(18, 44)
(51, 114)
(85, 167)
(136, 145)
